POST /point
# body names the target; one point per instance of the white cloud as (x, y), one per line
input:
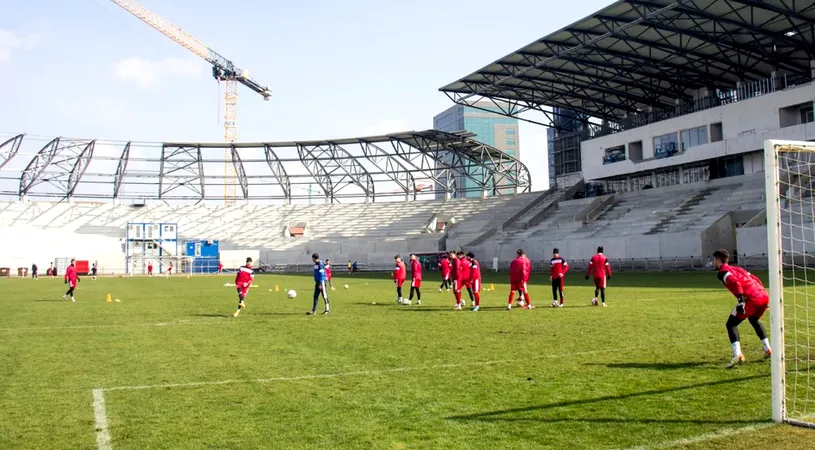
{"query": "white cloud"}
(13, 41)
(146, 72)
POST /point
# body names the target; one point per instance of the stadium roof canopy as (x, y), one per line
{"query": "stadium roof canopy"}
(397, 166)
(636, 55)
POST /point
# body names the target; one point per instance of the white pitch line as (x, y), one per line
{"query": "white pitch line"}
(358, 373)
(101, 416)
(725, 432)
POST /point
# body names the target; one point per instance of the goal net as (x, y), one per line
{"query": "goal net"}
(790, 187)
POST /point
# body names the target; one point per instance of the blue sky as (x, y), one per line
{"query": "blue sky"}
(85, 68)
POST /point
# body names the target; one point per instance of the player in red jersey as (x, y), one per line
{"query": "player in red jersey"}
(600, 270)
(150, 268)
(454, 262)
(328, 274)
(415, 279)
(753, 301)
(444, 268)
(474, 289)
(519, 272)
(70, 279)
(220, 268)
(243, 280)
(399, 276)
(557, 273)
(463, 268)
(170, 269)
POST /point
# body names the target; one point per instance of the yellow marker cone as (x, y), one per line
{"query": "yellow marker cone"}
(492, 287)
(107, 299)
(276, 288)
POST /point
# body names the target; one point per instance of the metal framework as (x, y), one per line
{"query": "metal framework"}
(240, 172)
(61, 163)
(121, 170)
(638, 56)
(370, 169)
(9, 149)
(181, 168)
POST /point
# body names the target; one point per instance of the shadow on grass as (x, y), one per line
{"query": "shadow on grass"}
(50, 301)
(212, 315)
(493, 416)
(651, 366)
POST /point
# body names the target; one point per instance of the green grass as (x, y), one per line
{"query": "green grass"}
(646, 370)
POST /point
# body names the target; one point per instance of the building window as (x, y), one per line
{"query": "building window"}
(509, 141)
(693, 137)
(807, 114)
(510, 131)
(666, 145)
(510, 151)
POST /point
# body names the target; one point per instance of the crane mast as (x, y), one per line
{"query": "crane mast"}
(222, 70)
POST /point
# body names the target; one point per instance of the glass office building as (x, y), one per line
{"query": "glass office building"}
(490, 128)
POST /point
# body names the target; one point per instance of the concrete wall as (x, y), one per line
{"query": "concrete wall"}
(667, 245)
(745, 127)
(720, 235)
(751, 241)
(23, 246)
(369, 252)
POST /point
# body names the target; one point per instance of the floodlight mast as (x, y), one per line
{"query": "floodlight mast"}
(222, 70)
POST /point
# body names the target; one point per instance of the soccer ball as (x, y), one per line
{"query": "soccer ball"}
(554, 304)
(594, 302)
(292, 293)
(520, 303)
(346, 286)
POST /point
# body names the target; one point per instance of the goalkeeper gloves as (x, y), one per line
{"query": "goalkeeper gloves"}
(740, 306)
(587, 277)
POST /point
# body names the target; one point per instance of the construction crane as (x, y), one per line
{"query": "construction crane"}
(222, 70)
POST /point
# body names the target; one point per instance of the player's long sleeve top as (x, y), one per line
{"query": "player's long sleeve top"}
(517, 271)
(70, 274)
(475, 270)
(399, 273)
(558, 267)
(464, 271)
(454, 262)
(527, 269)
(244, 277)
(598, 267)
(444, 266)
(416, 270)
(741, 282)
(319, 272)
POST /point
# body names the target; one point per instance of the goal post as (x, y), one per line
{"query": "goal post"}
(790, 206)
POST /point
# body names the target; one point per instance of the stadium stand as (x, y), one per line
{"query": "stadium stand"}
(680, 221)
(367, 232)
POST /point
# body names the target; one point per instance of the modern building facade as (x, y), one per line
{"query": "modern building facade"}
(490, 128)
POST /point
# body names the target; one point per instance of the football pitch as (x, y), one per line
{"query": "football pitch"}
(167, 367)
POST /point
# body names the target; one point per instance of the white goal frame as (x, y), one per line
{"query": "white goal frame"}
(776, 275)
